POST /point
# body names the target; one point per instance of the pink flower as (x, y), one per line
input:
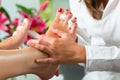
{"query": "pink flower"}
(37, 24)
(28, 38)
(41, 27)
(25, 15)
(16, 21)
(44, 5)
(3, 19)
(8, 29)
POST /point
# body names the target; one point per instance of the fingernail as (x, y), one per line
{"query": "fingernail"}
(75, 18)
(70, 13)
(60, 10)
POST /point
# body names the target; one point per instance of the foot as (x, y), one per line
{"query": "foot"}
(44, 71)
(61, 24)
(47, 71)
(18, 37)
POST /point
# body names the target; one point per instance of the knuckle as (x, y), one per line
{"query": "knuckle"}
(43, 48)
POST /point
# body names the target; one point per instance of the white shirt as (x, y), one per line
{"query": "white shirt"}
(101, 39)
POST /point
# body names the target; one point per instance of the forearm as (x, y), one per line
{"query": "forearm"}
(17, 62)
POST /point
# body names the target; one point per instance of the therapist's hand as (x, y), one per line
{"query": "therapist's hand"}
(63, 50)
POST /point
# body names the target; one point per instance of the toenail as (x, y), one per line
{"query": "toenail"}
(67, 10)
(70, 13)
(60, 10)
(75, 18)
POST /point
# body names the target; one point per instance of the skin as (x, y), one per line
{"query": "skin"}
(15, 62)
(56, 24)
(14, 41)
(62, 50)
(23, 62)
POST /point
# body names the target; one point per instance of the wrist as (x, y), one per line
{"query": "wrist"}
(80, 54)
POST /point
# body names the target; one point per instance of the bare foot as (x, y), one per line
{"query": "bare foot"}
(18, 36)
(44, 71)
(22, 31)
(61, 24)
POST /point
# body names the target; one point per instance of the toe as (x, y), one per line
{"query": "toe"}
(58, 13)
(73, 28)
(68, 17)
(74, 19)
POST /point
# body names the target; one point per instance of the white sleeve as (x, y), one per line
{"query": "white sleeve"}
(101, 58)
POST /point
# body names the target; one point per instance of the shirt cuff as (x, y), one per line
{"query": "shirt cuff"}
(87, 58)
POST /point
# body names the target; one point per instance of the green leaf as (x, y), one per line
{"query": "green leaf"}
(5, 12)
(23, 8)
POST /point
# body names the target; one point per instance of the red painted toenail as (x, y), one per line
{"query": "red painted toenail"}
(75, 18)
(70, 13)
(60, 10)
(67, 10)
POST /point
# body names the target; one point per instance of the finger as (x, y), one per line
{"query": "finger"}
(44, 49)
(46, 40)
(32, 42)
(35, 44)
(59, 32)
(46, 61)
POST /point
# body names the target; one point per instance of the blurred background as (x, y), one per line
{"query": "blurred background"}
(13, 11)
